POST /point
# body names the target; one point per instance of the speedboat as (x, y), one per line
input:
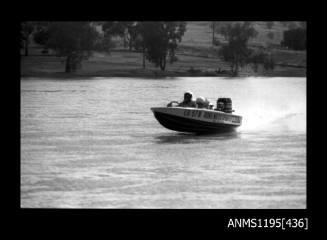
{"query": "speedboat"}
(196, 120)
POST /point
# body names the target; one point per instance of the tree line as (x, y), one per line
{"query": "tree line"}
(76, 41)
(237, 50)
(157, 41)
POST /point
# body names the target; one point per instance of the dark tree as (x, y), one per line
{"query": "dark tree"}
(213, 28)
(73, 40)
(160, 41)
(295, 39)
(132, 33)
(157, 40)
(123, 29)
(25, 32)
(223, 28)
(236, 51)
(41, 36)
(113, 29)
(261, 57)
(139, 43)
(104, 44)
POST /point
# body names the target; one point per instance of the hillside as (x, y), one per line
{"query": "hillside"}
(199, 34)
(194, 52)
(197, 41)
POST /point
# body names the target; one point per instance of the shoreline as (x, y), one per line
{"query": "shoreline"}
(157, 74)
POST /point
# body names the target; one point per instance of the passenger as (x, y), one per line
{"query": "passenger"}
(207, 104)
(204, 103)
(200, 102)
(187, 102)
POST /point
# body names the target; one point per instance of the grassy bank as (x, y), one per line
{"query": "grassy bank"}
(129, 64)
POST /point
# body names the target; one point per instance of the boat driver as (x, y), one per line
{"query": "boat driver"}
(187, 102)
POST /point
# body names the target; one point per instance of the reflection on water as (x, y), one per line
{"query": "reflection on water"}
(95, 143)
(184, 138)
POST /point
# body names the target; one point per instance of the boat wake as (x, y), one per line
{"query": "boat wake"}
(288, 119)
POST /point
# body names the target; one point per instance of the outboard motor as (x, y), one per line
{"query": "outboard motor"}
(227, 104)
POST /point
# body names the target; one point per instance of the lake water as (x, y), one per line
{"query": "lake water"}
(94, 143)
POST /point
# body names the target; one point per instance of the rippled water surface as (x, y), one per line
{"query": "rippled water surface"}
(94, 143)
